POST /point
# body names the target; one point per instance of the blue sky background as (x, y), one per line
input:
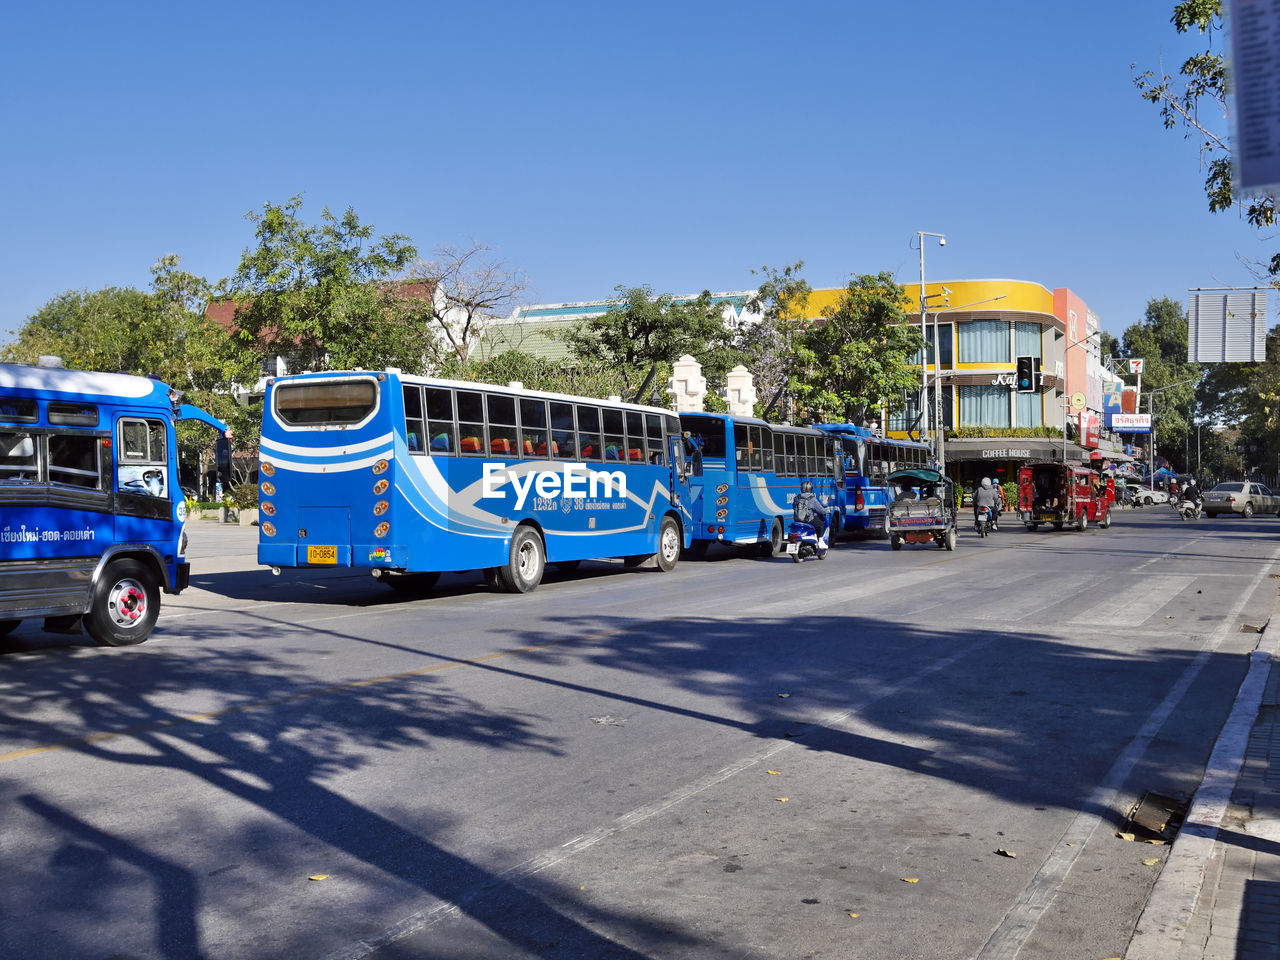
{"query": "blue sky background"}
(672, 144)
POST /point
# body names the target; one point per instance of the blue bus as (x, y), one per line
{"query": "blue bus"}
(746, 472)
(868, 460)
(92, 517)
(410, 477)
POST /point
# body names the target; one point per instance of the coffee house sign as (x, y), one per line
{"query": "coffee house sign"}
(1006, 453)
(1004, 380)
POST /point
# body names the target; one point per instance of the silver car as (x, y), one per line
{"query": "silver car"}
(1240, 496)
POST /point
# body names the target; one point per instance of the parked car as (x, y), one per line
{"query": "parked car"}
(1240, 496)
(1145, 495)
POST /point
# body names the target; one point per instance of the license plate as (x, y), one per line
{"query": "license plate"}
(322, 554)
(792, 548)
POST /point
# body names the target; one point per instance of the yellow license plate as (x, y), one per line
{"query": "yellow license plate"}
(322, 554)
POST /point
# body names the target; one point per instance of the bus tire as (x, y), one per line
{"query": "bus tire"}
(8, 626)
(411, 582)
(125, 604)
(526, 564)
(774, 545)
(669, 544)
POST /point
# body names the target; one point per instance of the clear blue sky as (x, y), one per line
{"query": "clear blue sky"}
(675, 144)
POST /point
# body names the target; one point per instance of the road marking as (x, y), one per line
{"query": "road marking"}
(417, 922)
(1134, 605)
(1020, 921)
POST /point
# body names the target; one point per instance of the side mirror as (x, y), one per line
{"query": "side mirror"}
(223, 454)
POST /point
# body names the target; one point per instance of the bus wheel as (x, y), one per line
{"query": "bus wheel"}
(669, 544)
(774, 545)
(126, 602)
(8, 626)
(523, 571)
(411, 582)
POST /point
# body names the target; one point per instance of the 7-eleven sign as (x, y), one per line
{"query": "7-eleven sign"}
(1135, 366)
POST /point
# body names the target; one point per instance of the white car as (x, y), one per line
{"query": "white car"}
(1145, 495)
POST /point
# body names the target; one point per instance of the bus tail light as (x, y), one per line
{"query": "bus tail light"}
(268, 488)
(382, 529)
(380, 467)
(380, 487)
(267, 468)
(380, 508)
(859, 501)
(268, 528)
(268, 508)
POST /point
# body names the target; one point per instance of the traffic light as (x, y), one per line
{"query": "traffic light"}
(1026, 375)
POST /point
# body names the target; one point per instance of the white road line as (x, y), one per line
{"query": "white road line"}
(1020, 921)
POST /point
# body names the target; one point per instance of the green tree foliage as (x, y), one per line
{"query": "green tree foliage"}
(1196, 100)
(324, 294)
(538, 373)
(767, 346)
(1160, 339)
(642, 331)
(859, 355)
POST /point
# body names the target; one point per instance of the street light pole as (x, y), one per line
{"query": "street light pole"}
(924, 337)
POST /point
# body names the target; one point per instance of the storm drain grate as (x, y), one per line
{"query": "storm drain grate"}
(1155, 818)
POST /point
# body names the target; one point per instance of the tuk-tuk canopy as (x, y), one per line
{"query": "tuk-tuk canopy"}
(916, 475)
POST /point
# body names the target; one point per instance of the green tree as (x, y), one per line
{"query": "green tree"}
(859, 355)
(1196, 100)
(539, 373)
(1160, 339)
(768, 346)
(642, 331)
(325, 294)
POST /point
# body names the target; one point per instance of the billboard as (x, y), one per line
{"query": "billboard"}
(1227, 325)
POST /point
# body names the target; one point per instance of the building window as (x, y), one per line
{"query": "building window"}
(1030, 410)
(984, 406)
(1026, 339)
(984, 341)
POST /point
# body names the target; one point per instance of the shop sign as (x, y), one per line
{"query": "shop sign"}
(1006, 453)
(1005, 380)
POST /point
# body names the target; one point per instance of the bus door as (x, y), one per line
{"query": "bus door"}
(684, 492)
(145, 477)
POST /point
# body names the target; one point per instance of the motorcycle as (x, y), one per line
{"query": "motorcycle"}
(985, 522)
(802, 542)
(1189, 509)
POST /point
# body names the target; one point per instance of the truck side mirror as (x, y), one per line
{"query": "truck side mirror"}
(223, 454)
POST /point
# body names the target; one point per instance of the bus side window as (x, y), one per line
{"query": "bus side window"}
(779, 454)
(414, 425)
(766, 449)
(502, 425)
(18, 458)
(811, 468)
(653, 431)
(564, 443)
(533, 428)
(471, 423)
(73, 460)
(614, 438)
(635, 436)
(589, 432)
(442, 428)
(792, 465)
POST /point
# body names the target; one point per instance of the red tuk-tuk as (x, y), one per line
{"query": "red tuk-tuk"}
(1064, 493)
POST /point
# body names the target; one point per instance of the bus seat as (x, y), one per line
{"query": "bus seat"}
(413, 441)
(470, 444)
(542, 449)
(440, 442)
(588, 452)
(500, 445)
(635, 453)
(528, 448)
(611, 452)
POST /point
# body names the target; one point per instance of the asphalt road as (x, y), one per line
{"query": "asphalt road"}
(881, 755)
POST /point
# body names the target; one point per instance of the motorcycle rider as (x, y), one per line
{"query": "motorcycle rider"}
(984, 496)
(1192, 493)
(807, 508)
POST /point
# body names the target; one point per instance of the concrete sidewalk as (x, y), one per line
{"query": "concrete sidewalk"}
(1218, 896)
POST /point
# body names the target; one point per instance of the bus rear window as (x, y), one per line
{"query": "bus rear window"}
(331, 402)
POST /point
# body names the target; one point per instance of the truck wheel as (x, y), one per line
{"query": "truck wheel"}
(524, 568)
(949, 539)
(125, 604)
(1105, 521)
(1082, 522)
